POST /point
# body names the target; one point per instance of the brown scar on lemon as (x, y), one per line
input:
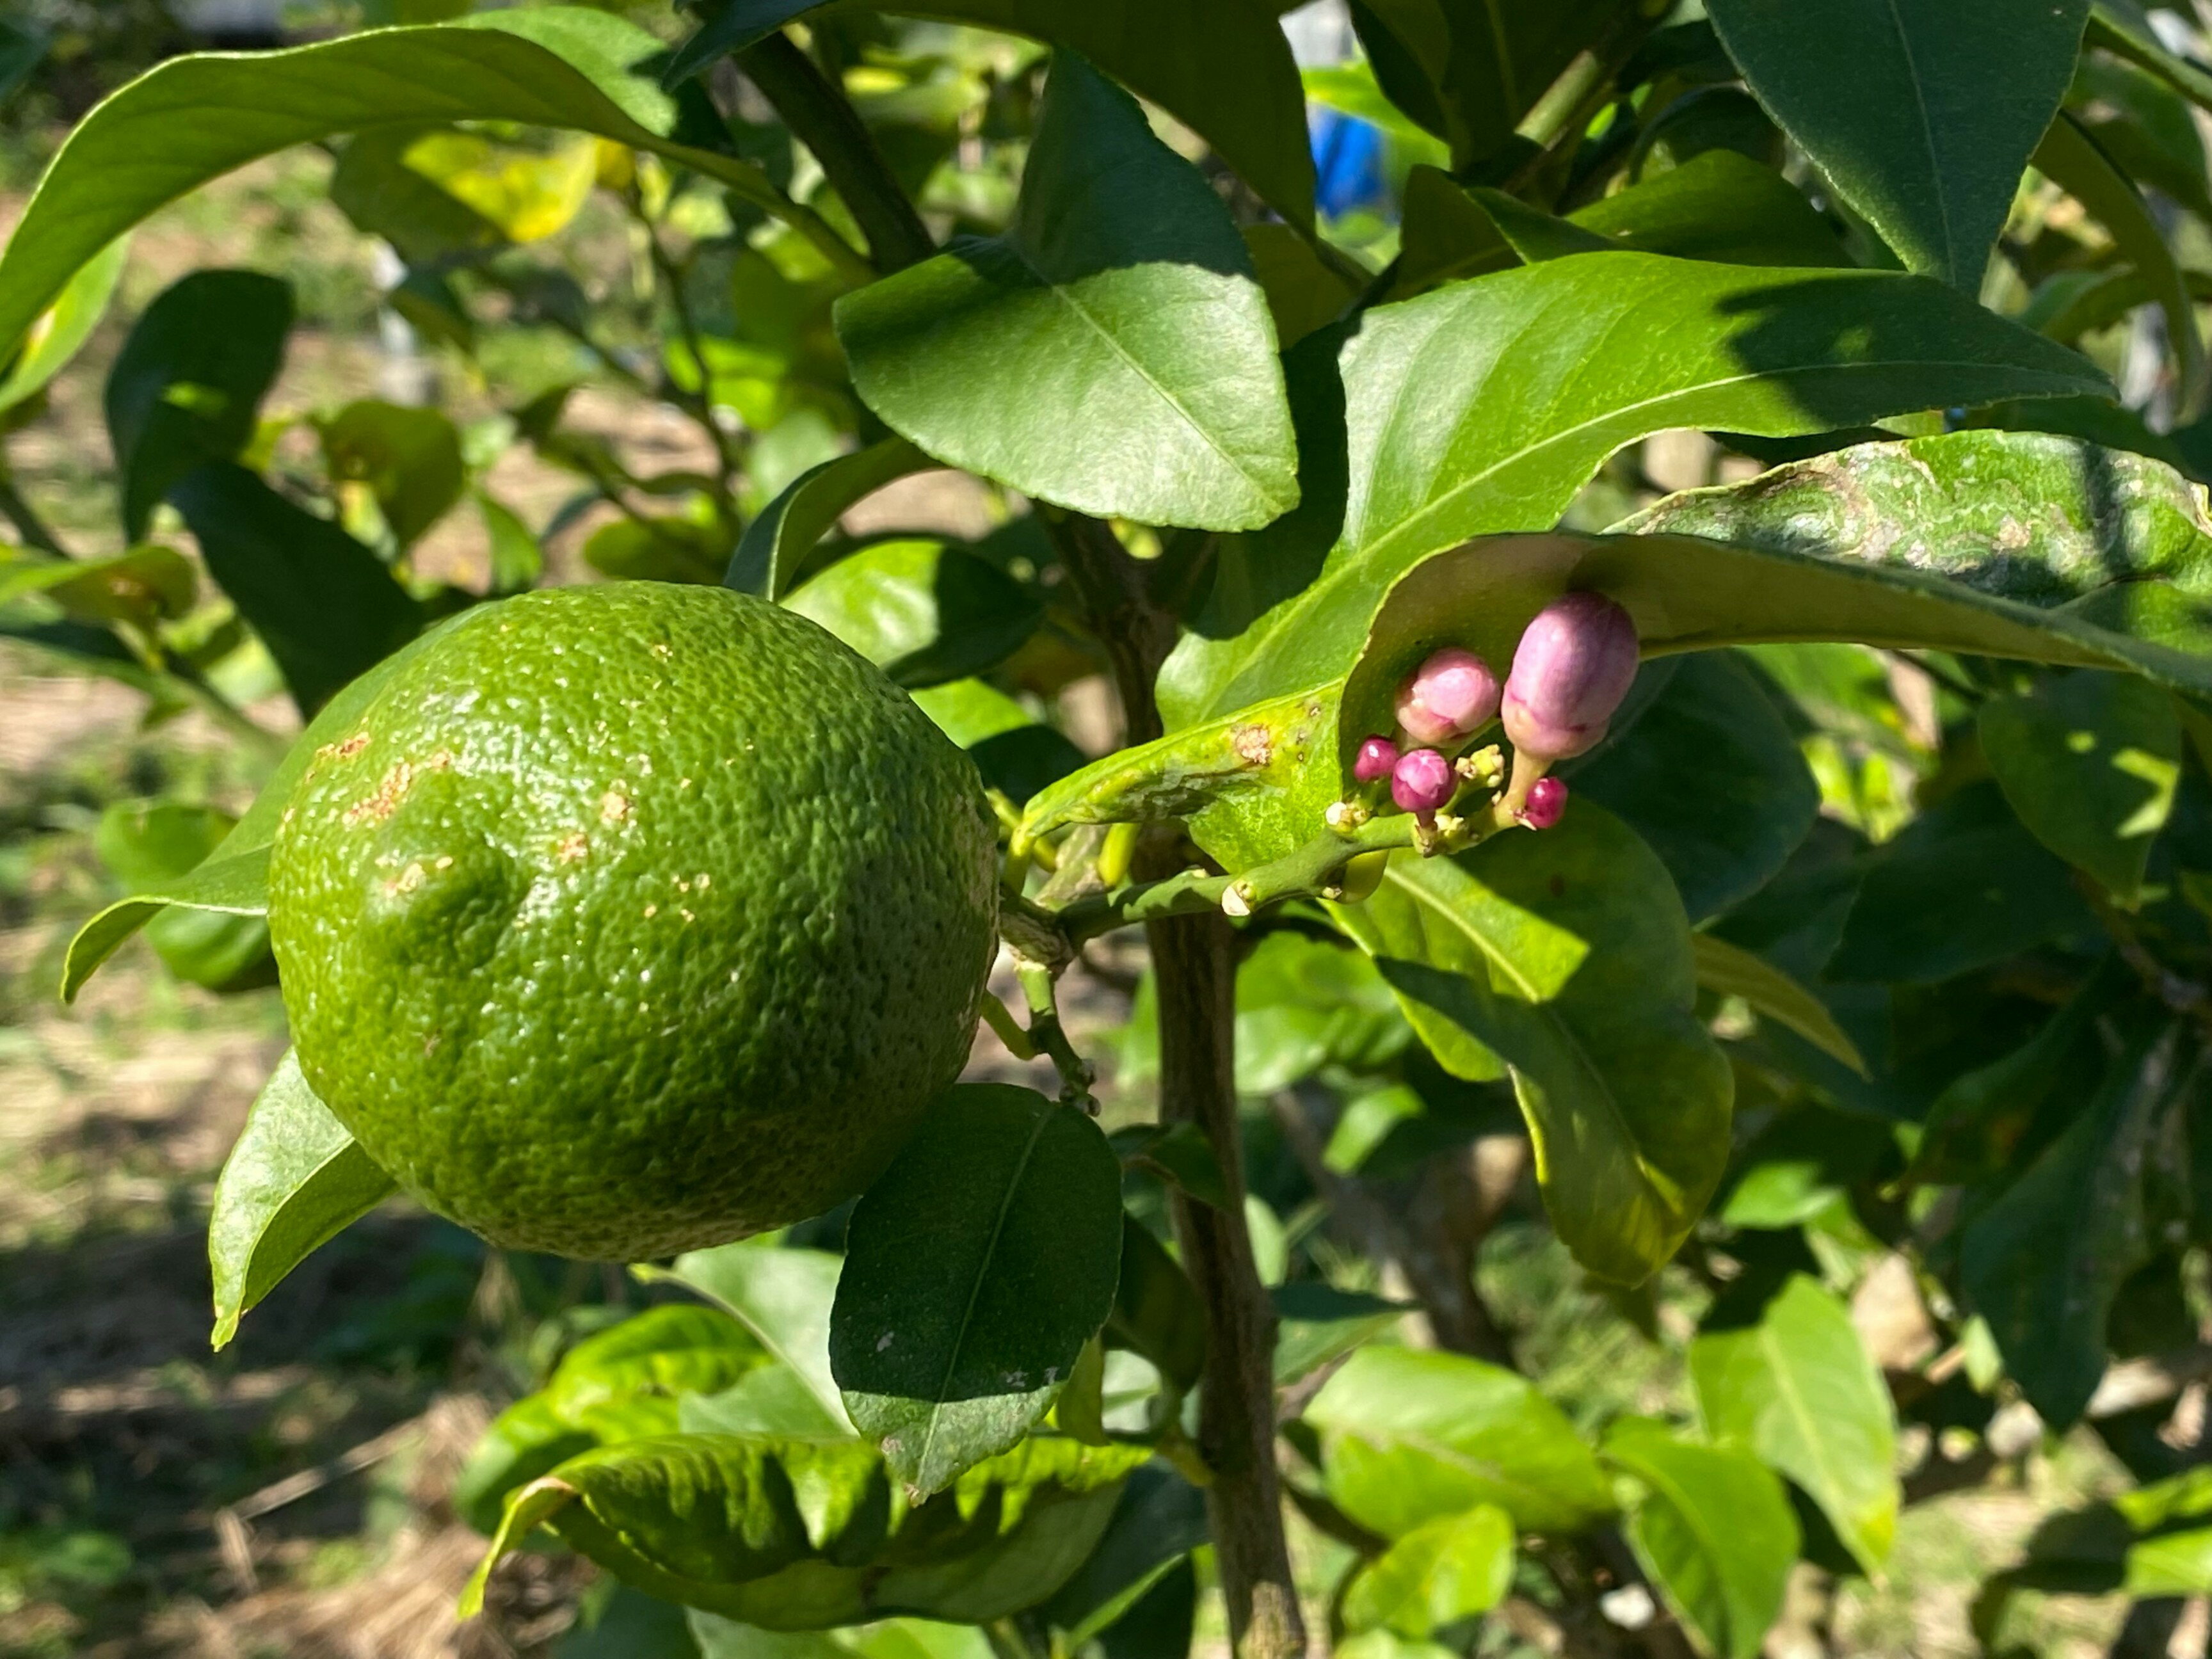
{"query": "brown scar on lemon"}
(385, 799)
(572, 846)
(614, 807)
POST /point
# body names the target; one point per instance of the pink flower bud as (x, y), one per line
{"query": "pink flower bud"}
(1573, 666)
(1547, 803)
(1376, 758)
(1423, 780)
(1451, 696)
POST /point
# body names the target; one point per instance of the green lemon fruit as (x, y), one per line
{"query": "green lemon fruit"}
(627, 919)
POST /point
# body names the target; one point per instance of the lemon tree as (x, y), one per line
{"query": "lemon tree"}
(1745, 888)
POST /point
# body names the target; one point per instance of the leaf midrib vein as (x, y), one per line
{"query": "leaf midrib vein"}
(975, 1290)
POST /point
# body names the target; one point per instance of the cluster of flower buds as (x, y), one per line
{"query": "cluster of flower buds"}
(1573, 668)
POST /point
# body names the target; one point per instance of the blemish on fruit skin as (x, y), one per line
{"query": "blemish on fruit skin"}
(883, 1341)
(651, 911)
(614, 807)
(572, 846)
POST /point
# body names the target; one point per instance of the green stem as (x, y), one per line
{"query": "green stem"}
(821, 117)
(1048, 1037)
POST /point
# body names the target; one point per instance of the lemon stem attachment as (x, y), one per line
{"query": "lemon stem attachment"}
(1008, 1029)
(1048, 1037)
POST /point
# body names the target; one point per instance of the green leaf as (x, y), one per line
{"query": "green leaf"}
(679, 1349)
(525, 1440)
(2044, 1263)
(784, 1297)
(1157, 1313)
(975, 1269)
(1016, 754)
(1921, 112)
(1485, 407)
(773, 1400)
(1315, 1323)
(1565, 956)
(235, 886)
(1437, 1574)
(186, 388)
(59, 334)
(1110, 353)
(197, 118)
(1711, 778)
(1304, 289)
(323, 604)
(806, 1534)
(1410, 1437)
(1798, 1390)
(1714, 1531)
(1485, 66)
(1225, 70)
(665, 548)
(2089, 761)
(1729, 971)
(1718, 206)
(2071, 156)
(924, 611)
(1304, 1003)
(144, 586)
(518, 559)
(409, 460)
(779, 549)
(1963, 886)
(291, 1184)
(149, 847)
(1160, 1519)
(374, 185)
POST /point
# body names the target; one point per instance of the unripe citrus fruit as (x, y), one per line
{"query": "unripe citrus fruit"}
(627, 919)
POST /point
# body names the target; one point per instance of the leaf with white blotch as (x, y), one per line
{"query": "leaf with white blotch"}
(975, 1269)
(1921, 112)
(1566, 957)
(1485, 408)
(294, 1180)
(1111, 352)
(1713, 1530)
(1800, 1391)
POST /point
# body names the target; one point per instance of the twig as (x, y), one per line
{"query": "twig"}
(821, 117)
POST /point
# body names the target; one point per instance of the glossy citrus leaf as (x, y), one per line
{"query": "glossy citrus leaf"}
(409, 460)
(1710, 777)
(187, 388)
(1438, 1574)
(194, 119)
(1110, 353)
(235, 886)
(977, 1267)
(325, 606)
(1565, 956)
(2089, 761)
(778, 548)
(1798, 1390)
(2044, 1262)
(149, 847)
(294, 1180)
(924, 611)
(1713, 1530)
(1409, 1436)
(784, 1297)
(1224, 69)
(807, 1535)
(1922, 113)
(525, 1440)
(1729, 971)
(1485, 406)
(1161, 1518)
(59, 334)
